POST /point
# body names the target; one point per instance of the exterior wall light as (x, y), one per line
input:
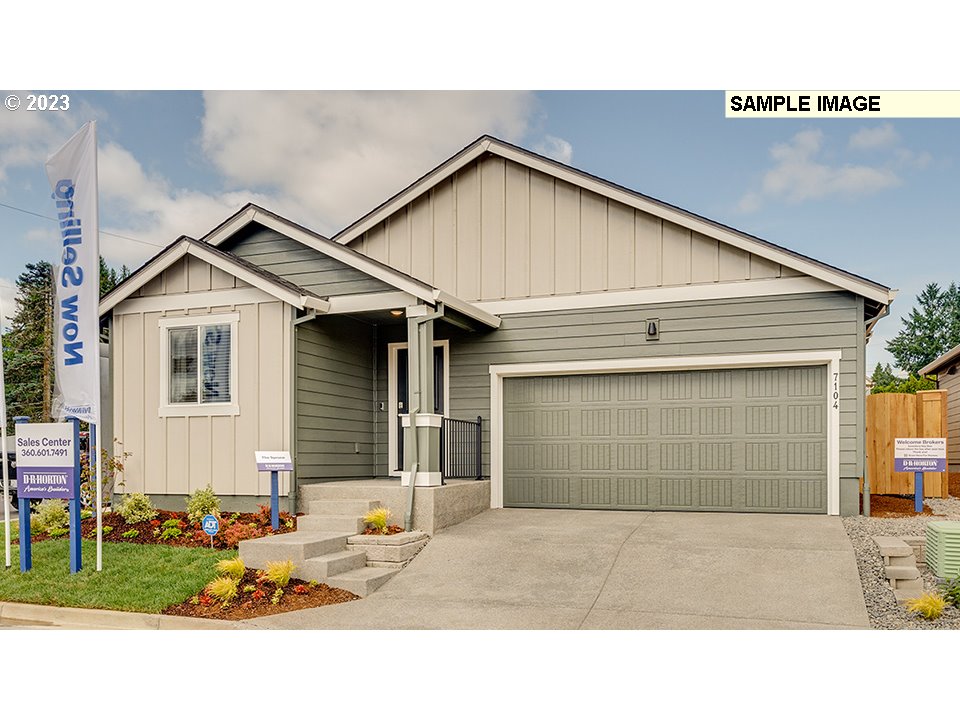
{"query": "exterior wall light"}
(653, 328)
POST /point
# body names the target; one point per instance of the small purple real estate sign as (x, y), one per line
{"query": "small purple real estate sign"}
(45, 460)
(920, 455)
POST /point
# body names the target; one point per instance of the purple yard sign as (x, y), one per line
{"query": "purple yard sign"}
(920, 455)
(45, 460)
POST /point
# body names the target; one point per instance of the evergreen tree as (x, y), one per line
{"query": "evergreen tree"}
(931, 328)
(882, 375)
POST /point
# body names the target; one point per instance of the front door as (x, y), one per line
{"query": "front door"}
(401, 367)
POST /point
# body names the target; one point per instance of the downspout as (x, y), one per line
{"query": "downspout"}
(413, 361)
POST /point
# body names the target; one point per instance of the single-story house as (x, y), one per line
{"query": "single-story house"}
(947, 370)
(619, 352)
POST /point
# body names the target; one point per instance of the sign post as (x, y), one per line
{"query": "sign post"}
(919, 455)
(274, 462)
(211, 526)
(23, 512)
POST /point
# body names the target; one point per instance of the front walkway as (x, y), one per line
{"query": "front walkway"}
(558, 569)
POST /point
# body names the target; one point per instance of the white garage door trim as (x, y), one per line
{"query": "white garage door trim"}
(830, 358)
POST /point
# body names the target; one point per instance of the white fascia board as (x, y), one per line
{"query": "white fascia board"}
(366, 302)
(830, 358)
(231, 226)
(418, 188)
(471, 310)
(659, 295)
(157, 266)
(257, 280)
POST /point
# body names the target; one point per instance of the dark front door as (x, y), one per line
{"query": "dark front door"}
(403, 392)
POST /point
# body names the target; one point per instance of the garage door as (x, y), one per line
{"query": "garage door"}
(750, 440)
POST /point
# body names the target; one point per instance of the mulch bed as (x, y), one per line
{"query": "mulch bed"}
(893, 506)
(298, 595)
(151, 532)
(390, 530)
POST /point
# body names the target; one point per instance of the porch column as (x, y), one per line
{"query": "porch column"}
(425, 431)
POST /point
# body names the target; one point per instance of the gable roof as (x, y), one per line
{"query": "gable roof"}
(251, 213)
(264, 280)
(879, 294)
(206, 249)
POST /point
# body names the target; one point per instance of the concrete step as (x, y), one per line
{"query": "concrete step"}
(904, 595)
(323, 567)
(297, 546)
(908, 572)
(915, 584)
(362, 581)
(901, 561)
(344, 491)
(331, 523)
(892, 546)
(341, 507)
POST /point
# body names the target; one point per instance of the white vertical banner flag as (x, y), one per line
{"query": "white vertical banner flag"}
(3, 450)
(72, 171)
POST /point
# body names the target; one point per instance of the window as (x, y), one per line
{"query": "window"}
(198, 364)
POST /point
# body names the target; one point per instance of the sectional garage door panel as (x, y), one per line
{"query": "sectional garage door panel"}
(751, 440)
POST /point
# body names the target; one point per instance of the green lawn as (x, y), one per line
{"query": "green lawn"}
(144, 578)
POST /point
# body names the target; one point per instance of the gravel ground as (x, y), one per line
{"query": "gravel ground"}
(882, 607)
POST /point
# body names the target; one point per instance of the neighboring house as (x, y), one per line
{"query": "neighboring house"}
(621, 352)
(947, 369)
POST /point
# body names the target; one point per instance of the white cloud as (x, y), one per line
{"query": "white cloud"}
(336, 155)
(876, 137)
(556, 148)
(800, 173)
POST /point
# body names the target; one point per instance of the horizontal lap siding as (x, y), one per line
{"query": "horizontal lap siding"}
(821, 321)
(335, 411)
(301, 265)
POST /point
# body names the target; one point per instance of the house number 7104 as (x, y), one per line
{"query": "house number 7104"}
(836, 391)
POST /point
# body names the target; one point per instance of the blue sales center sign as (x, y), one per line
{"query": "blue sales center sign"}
(45, 460)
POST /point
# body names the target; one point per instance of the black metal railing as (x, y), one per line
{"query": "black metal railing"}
(461, 442)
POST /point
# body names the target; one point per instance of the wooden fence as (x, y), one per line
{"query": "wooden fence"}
(893, 415)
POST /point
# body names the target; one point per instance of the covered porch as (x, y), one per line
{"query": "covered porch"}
(373, 401)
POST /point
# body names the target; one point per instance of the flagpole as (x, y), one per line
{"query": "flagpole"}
(3, 449)
(96, 426)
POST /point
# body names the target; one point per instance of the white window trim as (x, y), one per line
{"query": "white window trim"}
(830, 358)
(392, 349)
(198, 409)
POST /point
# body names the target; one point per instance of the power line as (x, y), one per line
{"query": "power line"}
(102, 232)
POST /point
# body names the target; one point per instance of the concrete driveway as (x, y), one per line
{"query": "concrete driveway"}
(558, 569)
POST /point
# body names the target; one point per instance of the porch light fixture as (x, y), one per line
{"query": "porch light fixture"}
(653, 329)
(396, 313)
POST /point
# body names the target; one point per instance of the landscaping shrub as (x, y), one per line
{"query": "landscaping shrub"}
(279, 572)
(137, 508)
(203, 501)
(950, 589)
(379, 518)
(928, 605)
(52, 515)
(238, 531)
(232, 567)
(223, 589)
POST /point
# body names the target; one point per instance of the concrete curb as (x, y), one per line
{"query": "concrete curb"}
(75, 618)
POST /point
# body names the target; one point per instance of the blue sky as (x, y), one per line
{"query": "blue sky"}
(877, 198)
